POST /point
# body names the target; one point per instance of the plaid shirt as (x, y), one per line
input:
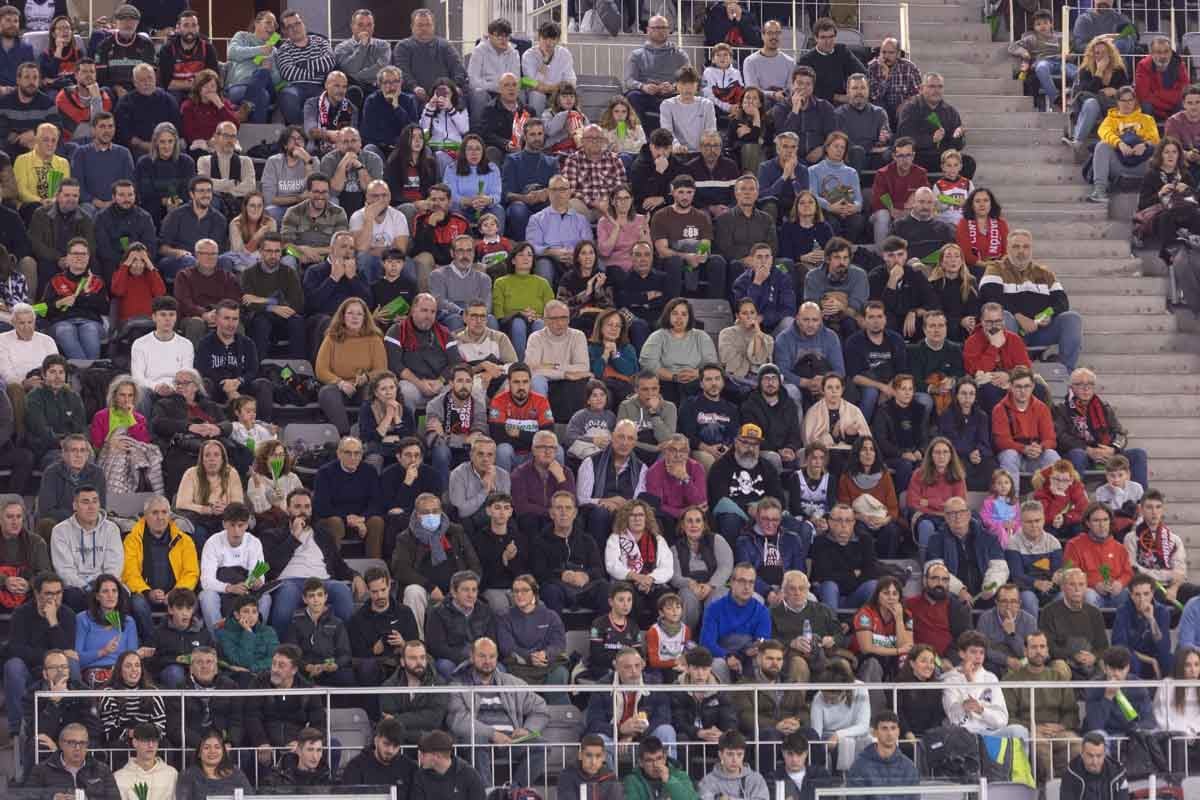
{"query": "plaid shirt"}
(594, 180)
(901, 83)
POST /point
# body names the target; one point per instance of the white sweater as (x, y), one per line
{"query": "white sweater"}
(18, 358)
(986, 689)
(1170, 718)
(161, 779)
(154, 361)
(218, 553)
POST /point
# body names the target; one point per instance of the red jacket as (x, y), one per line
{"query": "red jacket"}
(1013, 429)
(1163, 101)
(1089, 555)
(980, 356)
(888, 181)
(135, 293)
(1071, 505)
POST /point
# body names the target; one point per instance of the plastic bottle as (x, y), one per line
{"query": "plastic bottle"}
(808, 631)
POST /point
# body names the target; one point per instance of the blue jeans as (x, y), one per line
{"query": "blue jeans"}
(143, 615)
(444, 459)
(210, 607)
(1029, 603)
(831, 596)
(664, 733)
(1106, 600)
(266, 327)
(1048, 72)
(518, 330)
(78, 338)
(509, 459)
(925, 528)
(1064, 330)
(258, 91)
(16, 682)
(868, 397)
(290, 596)
(646, 105)
(173, 676)
(1139, 468)
(173, 265)
(547, 268)
(1014, 463)
(292, 98)
(1089, 116)
(518, 219)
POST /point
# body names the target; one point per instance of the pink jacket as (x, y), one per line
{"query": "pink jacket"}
(1001, 529)
(673, 495)
(99, 430)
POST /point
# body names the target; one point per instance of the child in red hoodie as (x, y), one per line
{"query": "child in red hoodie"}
(1063, 498)
(136, 283)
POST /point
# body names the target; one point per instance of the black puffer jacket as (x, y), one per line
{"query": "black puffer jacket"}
(93, 777)
(277, 719)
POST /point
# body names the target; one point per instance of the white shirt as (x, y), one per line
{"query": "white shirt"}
(307, 560)
(985, 688)
(218, 553)
(154, 361)
(18, 358)
(383, 233)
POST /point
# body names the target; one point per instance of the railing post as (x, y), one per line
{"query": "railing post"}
(1173, 40)
(905, 45)
(211, 35)
(1066, 51)
(1012, 22)
(679, 24)
(795, 28)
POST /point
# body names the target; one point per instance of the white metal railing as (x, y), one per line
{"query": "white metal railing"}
(925, 790)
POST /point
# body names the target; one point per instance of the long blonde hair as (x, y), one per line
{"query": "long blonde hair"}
(203, 488)
(606, 118)
(1115, 62)
(965, 278)
(338, 332)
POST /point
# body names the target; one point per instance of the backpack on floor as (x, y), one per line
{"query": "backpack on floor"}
(951, 752)
(1005, 759)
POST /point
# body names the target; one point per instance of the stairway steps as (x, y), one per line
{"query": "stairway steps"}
(1047, 251)
(929, 13)
(1096, 342)
(1080, 286)
(1160, 427)
(1016, 120)
(1173, 468)
(1182, 513)
(947, 58)
(1097, 305)
(1013, 138)
(1147, 366)
(991, 173)
(1121, 324)
(1155, 405)
(1034, 157)
(999, 86)
(968, 105)
(1044, 230)
(926, 35)
(1119, 265)
(1170, 448)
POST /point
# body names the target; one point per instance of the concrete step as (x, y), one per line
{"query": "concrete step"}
(1176, 490)
(996, 172)
(1173, 469)
(964, 66)
(971, 104)
(1020, 213)
(1127, 344)
(1081, 286)
(1001, 86)
(1100, 305)
(1048, 251)
(1134, 382)
(1173, 448)
(1152, 365)
(1120, 265)
(1014, 138)
(923, 14)
(1160, 427)
(1155, 405)
(1067, 195)
(1107, 323)
(1038, 155)
(1183, 512)
(1082, 229)
(1015, 120)
(947, 57)
(927, 35)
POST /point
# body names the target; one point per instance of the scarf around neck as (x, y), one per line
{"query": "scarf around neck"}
(1090, 419)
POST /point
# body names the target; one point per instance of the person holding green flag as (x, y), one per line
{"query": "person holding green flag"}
(1116, 710)
(934, 125)
(252, 75)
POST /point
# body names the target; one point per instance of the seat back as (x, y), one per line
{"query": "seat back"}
(129, 505)
(309, 434)
(1056, 375)
(351, 727)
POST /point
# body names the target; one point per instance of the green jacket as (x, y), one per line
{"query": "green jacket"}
(251, 650)
(50, 416)
(678, 787)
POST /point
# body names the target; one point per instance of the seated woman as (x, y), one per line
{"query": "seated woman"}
(1094, 92)
(838, 189)
(203, 110)
(957, 292)
(835, 422)
(703, 565)
(969, 430)
(883, 633)
(590, 428)
(136, 283)
(444, 121)
(97, 639)
(351, 352)
(284, 177)
(519, 298)
(120, 434)
(939, 478)
(212, 771)
(206, 489)
(251, 79)
(614, 361)
(246, 231)
(1167, 201)
(751, 131)
(181, 422)
(744, 347)
(247, 641)
(803, 237)
(623, 129)
(269, 483)
(162, 175)
(120, 715)
(677, 350)
(76, 302)
(982, 234)
(410, 172)
(384, 421)
(901, 430)
(920, 710)
(867, 475)
(584, 287)
(58, 61)
(842, 715)
(637, 553)
(474, 182)
(619, 228)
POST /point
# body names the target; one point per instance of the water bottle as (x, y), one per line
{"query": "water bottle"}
(808, 632)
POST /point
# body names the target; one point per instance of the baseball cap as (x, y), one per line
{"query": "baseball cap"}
(769, 369)
(750, 431)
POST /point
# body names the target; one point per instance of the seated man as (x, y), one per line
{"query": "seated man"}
(226, 563)
(471, 482)
(123, 49)
(388, 110)
(655, 770)
(229, 361)
(805, 352)
(1143, 626)
(772, 290)
(806, 115)
(275, 720)
(273, 300)
(54, 225)
(894, 187)
(326, 115)
(303, 766)
(1034, 557)
(680, 232)
(379, 629)
(515, 415)
(773, 713)
(981, 711)
(99, 164)
(346, 498)
(159, 558)
(938, 619)
(433, 233)
(1103, 559)
(922, 230)
(351, 169)
(232, 173)
(82, 99)
(844, 565)
(1006, 627)
(1076, 628)
(416, 712)
(534, 481)
(915, 122)
(441, 771)
(1022, 431)
(470, 719)
(85, 546)
(1093, 771)
(146, 768)
(71, 765)
(555, 230)
(26, 110)
(687, 115)
(734, 626)
(874, 356)
(833, 63)
(1108, 706)
(309, 226)
(1089, 441)
(458, 284)
(73, 467)
(1161, 78)
(188, 721)
(454, 418)
(609, 479)
(900, 284)
(972, 556)
(322, 638)
(1057, 708)
(882, 764)
(715, 176)
(594, 172)
(187, 226)
(378, 228)
(650, 71)
(741, 478)
(142, 107)
(839, 287)
(177, 635)
(420, 350)
(654, 416)
(200, 288)
(784, 176)
(382, 764)
(430, 553)
(39, 627)
(567, 562)
(454, 624)
(558, 357)
(503, 115)
(306, 549)
(124, 221)
(1103, 20)
(778, 416)
(526, 176)
(643, 715)
(489, 61)
(867, 126)
(990, 354)
(893, 79)
(329, 283)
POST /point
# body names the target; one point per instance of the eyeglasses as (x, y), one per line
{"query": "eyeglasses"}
(558, 318)
(74, 742)
(1081, 384)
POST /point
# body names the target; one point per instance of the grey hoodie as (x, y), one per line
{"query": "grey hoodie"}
(1091, 24)
(746, 785)
(423, 63)
(81, 556)
(653, 64)
(362, 62)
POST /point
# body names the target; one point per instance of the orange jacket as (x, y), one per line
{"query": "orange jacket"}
(1013, 429)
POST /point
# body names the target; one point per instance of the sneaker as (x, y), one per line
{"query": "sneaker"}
(1098, 195)
(1068, 141)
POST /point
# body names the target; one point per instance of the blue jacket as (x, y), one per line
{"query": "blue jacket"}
(337, 493)
(966, 434)
(11, 59)
(772, 184)
(1133, 631)
(382, 123)
(1189, 624)
(523, 168)
(1104, 715)
(725, 616)
(91, 637)
(775, 299)
(791, 344)
(870, 769)
(793, 550)
(98, 170)
(599, 715)
(322, 295)
(982, 545)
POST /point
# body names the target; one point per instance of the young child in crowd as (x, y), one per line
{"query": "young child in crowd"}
(999, 511)
(623, 130)
(722, 81)
(1060, 491)
(668, 639)
(246, 427)
(952, 189)
(393, 283)
(612, 633)
(1121, 495)
(564, 120)
(687, 115)
(492, 249)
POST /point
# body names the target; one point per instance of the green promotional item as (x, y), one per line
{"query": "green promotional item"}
(274, 40)
(1126, 707)
(529, 83)
(260, 569)
(113, 618)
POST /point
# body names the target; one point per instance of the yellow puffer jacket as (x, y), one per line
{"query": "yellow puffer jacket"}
(182, 555)
(1117, 123)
